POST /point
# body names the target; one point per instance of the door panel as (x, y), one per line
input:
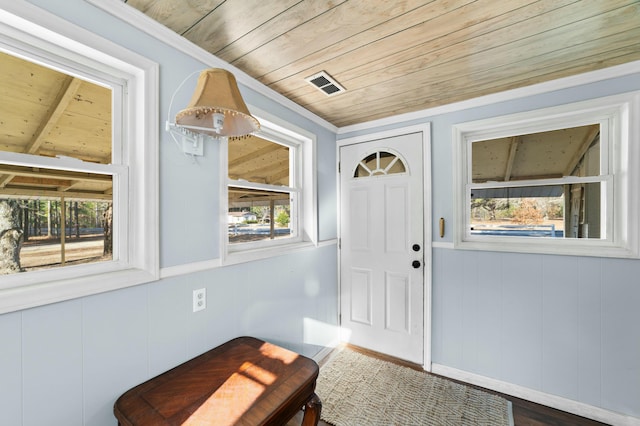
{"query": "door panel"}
(361, 296)
(396, 218)
(397, 303)
(359, 219)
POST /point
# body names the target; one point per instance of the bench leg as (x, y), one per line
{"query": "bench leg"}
(312, 411)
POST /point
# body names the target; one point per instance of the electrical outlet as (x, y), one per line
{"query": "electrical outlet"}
(199, 299)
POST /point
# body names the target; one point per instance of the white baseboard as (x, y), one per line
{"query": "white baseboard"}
(323, 354)
(560, 403)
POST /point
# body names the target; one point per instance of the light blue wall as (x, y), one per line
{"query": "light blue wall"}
(66, 363)
(563, 325)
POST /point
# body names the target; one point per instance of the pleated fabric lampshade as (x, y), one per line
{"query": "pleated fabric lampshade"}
(217, 97)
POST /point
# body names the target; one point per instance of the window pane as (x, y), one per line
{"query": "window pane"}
(37, 238)
(256, 215)
(53, 217)
(379, 163)
(544, 155)
(258, 160)
(558, 211)
(35, 202)
(49, 113)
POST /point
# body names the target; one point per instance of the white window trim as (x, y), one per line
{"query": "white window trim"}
(31, 32)
(620, 114)
(275, 128)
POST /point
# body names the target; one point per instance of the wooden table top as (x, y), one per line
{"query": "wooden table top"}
(245, 381)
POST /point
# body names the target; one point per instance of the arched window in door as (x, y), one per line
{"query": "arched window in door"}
(379, 164)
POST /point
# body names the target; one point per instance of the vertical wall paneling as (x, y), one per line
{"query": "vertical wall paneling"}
(437, 307)
(522, 321)
(488, 322)
(452, 267)
(220, 321)
(11, 369)
(561, 325)
(620, 290)
(169, 307)
(560, 298)
(114, 349)
(53, 365)
(589, 363)
(469, 306)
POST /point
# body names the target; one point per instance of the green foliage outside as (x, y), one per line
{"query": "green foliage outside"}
(282, 218)
(42, 217)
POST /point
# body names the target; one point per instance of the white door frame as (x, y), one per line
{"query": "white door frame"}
(425, 129)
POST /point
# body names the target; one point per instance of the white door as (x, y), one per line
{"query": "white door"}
(382, 247)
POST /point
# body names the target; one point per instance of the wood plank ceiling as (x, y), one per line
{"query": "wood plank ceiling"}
(397, 57)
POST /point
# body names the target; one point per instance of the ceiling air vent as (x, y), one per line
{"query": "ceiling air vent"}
(325, 83)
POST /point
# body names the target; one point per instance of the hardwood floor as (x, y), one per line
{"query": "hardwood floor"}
(525, 413)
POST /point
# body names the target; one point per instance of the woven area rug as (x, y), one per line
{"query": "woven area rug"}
(359, 390)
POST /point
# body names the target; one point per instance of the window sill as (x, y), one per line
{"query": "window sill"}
(594, 248)
(31, 296)
(266, 252)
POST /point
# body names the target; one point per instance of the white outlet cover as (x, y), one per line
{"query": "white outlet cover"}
(199, 299)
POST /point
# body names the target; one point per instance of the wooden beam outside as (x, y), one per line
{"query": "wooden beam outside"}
(513, 148)
(36, 172)
(39, 193)
(586, 143)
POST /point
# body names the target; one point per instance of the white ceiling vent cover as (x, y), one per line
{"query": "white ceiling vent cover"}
(325, 83)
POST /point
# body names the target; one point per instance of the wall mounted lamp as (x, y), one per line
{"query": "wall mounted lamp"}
(216, 109)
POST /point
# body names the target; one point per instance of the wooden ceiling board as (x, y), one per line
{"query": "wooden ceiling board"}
(370, 53)
(178, 16)
(405, 56)
(362, 48)
(450, 71)
(277, 26)
(342, 22)
(232, 20)
(492, 80)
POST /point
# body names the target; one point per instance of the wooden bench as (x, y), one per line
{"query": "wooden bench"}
(245, 381)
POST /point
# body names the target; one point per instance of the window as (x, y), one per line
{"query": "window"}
(270, 187)
(380, 163)
(551, 181)
(78, 163)
(262, 190)
(54, 212)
